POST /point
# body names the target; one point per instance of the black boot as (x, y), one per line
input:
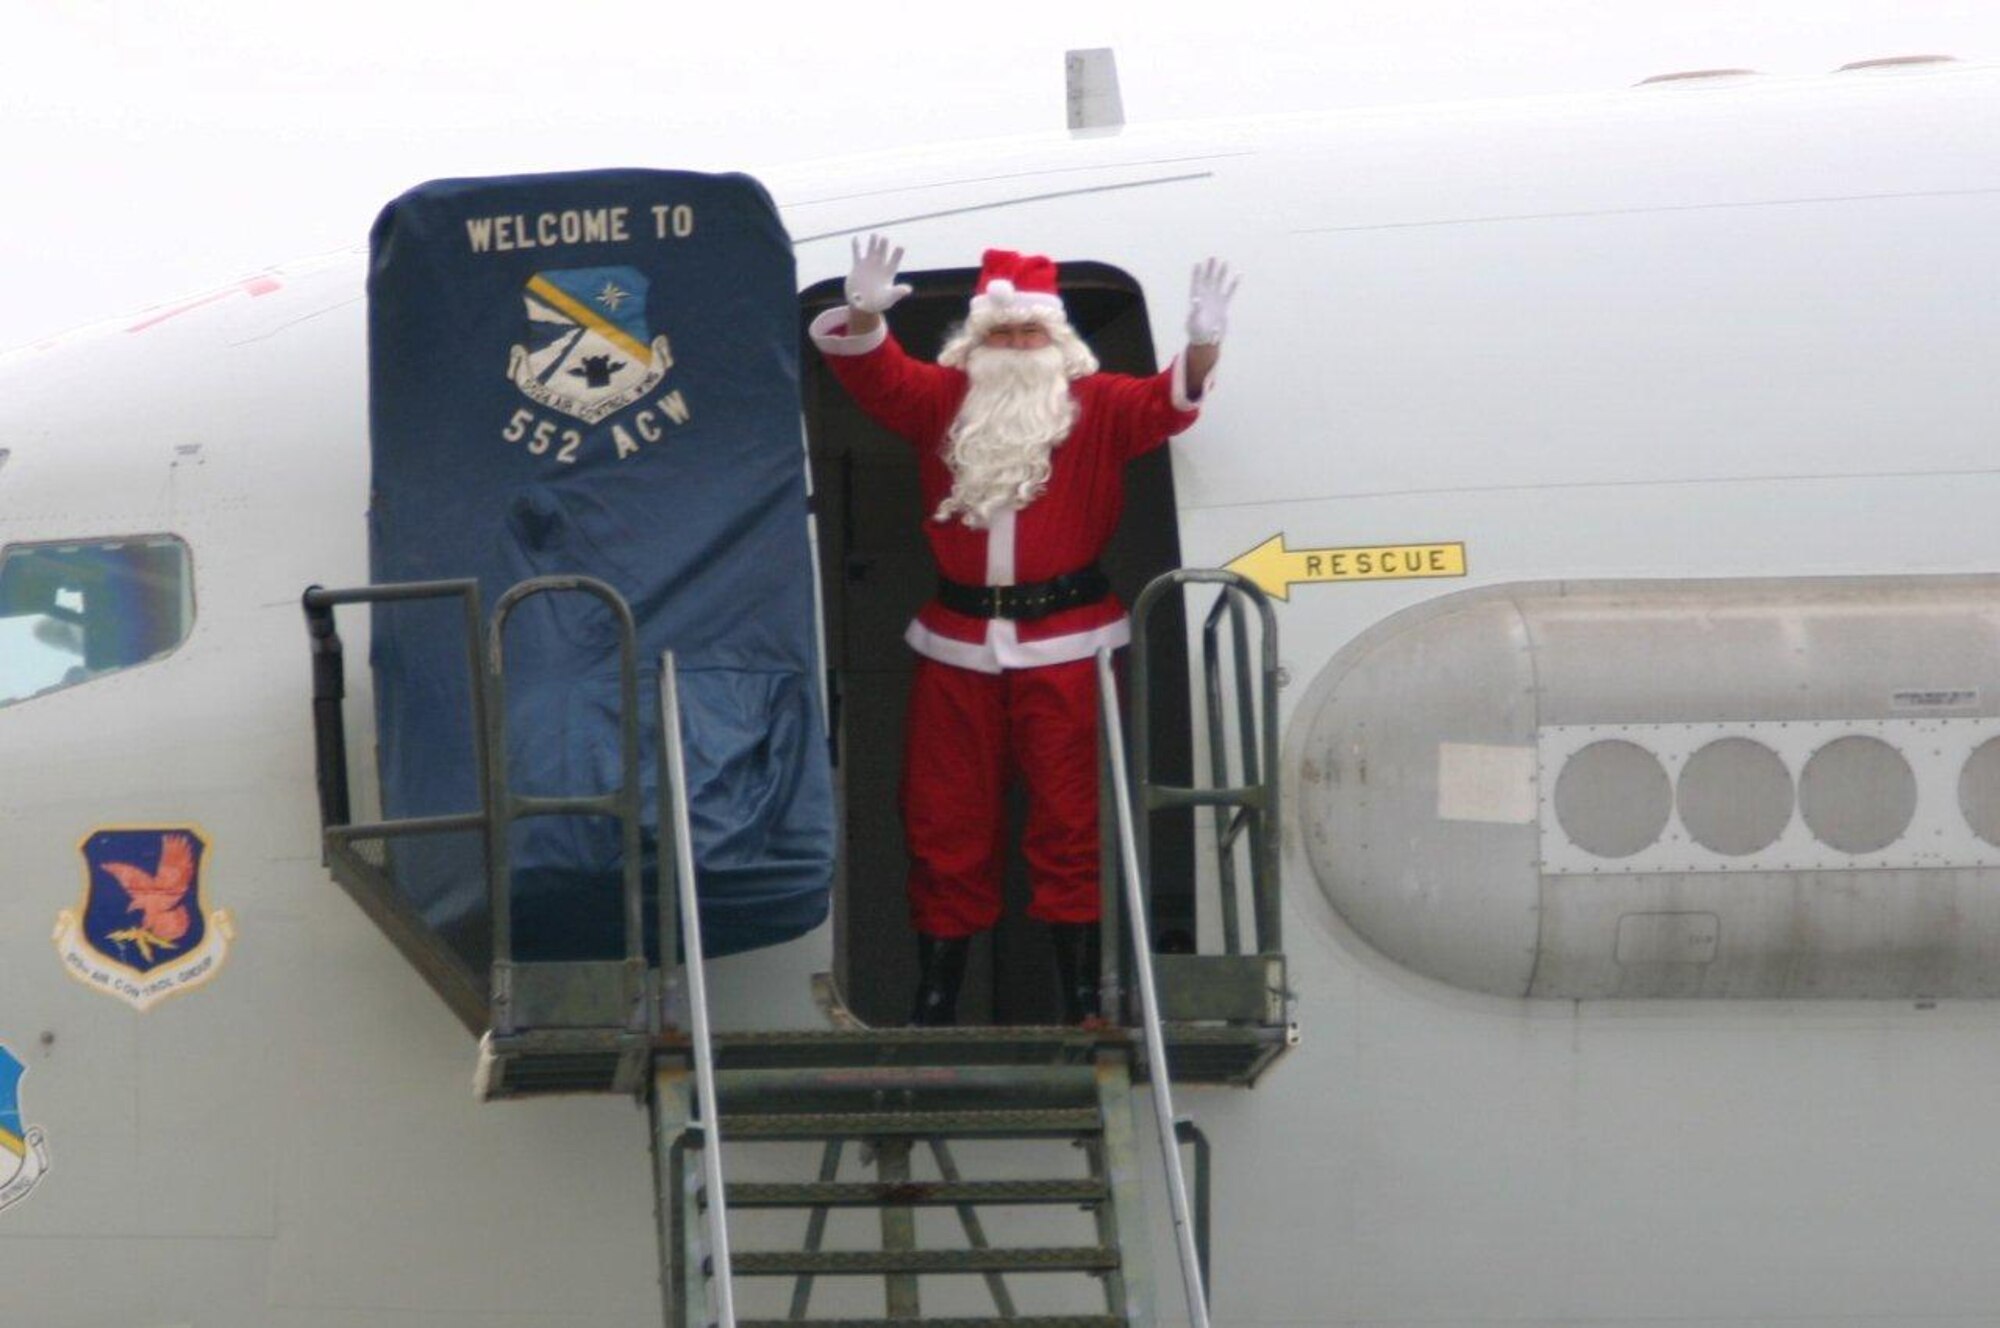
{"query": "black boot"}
(941, 969)
(1079, 950)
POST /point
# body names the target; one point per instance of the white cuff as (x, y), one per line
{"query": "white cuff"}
(1181, 399)
(832, 342)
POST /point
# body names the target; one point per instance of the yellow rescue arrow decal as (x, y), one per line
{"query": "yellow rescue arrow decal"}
(1276, 569)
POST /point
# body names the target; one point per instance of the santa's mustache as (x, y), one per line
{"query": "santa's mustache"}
(1002, 367)
(1017, 409)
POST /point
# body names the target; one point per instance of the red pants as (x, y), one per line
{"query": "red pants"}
(968, 734)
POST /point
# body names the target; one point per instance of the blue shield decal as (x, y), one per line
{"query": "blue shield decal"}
(144, 905)
(23, 1154)
(141, 932)
(586, 350)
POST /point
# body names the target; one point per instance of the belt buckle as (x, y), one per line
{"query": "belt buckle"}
(998, 601)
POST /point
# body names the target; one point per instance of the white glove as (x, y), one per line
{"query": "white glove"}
(1209, 294)
(871, 283)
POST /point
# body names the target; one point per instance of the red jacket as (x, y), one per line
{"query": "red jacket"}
(1064, 530)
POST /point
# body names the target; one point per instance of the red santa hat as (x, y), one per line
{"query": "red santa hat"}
(1014, 286)
(1017, 288)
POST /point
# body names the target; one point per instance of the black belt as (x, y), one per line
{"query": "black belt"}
(1025, 603)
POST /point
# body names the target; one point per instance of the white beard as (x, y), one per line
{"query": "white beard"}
(1015, 414)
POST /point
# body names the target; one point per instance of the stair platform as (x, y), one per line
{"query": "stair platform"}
(1012, 1321)
(545, 1062)
(964, 1046)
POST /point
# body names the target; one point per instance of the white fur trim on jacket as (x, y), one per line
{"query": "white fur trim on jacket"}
(1003, 649)
(829, 333)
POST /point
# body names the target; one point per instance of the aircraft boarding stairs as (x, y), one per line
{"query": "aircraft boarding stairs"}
(1044, 1222)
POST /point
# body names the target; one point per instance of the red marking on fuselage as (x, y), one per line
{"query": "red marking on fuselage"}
(253, 287)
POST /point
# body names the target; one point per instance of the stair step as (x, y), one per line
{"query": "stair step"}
(799, 1048)
(986, 1086)
(948, 1124)
(915, 1193)
(1020, 1321)
(1017, 1259)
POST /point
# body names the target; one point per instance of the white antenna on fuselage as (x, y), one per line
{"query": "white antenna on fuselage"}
(1094, 104)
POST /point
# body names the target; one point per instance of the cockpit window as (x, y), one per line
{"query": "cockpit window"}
(71, 612)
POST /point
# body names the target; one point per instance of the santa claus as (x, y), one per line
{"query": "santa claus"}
(1021, 448)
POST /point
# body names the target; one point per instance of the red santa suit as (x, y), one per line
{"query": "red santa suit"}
(995, 698)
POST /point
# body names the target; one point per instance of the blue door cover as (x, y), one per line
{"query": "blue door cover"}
(598, 373)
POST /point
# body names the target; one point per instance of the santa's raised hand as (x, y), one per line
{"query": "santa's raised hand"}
(871, 283)
(1209, 292)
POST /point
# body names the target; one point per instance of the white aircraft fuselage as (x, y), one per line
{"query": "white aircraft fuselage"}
(1658, 361)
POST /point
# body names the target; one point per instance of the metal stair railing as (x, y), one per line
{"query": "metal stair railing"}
(1249, 808)
(571, 997)
(1227, 1009)
(674, 819)
(342, 840)
(1149, 1007)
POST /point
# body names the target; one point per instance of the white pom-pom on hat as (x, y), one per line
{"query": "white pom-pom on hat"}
(1008, 280)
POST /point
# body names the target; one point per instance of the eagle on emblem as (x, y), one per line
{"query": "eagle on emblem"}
(141, 932)
(158, 897)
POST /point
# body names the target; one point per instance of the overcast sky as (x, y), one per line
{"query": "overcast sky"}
(153, 148)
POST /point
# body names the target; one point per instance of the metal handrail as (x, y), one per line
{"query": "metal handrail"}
(1230, 823)
(504, 808)
(1149, 1002)
(330, 695)
(466, 992)
(1256, 798)
(674, 813)
(1187, 1132)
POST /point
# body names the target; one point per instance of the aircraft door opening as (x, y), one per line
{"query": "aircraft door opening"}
(876, 572)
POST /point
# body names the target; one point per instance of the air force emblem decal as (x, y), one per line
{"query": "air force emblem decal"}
(24, 1156)
(140, 933)
(587, 350)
